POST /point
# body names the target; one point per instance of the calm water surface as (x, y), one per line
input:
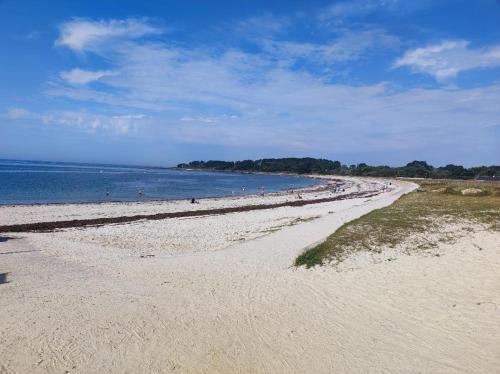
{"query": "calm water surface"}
(32, 182)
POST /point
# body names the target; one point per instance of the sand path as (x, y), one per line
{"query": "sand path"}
(79, 306)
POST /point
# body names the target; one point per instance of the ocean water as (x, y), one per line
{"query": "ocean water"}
(34, 182)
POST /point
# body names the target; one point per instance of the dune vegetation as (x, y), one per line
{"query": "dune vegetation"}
(426, 214)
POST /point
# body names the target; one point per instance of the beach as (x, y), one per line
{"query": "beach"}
(218, 293)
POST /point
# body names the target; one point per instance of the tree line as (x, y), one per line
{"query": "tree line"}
(309, 165)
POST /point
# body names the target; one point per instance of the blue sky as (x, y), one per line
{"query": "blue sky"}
(148, 82)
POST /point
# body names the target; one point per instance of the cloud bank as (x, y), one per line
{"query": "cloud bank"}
(449, 58)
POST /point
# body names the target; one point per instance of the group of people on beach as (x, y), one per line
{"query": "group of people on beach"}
(336, 189)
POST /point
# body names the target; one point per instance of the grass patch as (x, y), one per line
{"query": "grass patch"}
(293, 222)
(272, 230)
(436, 202)
(298, 220)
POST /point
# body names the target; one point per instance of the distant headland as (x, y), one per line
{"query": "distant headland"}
(309, 165)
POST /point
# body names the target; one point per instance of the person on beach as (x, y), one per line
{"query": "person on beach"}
(194, 201)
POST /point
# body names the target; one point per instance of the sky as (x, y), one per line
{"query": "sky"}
(162, 82)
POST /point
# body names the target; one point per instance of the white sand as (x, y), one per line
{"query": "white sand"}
(84, 300)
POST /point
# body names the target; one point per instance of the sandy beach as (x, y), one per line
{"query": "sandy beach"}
(220, 294)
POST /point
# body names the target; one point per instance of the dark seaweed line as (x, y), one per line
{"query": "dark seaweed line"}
(51, 226)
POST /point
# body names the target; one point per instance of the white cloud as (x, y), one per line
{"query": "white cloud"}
(17, 113)
(82, 34)
(124, 123)
(79, 76)
(92, 122)
(208, 119)
(322, 117)
(198, 119)
(84, 120)
(157, 76)
(355, 8)
(346, 47)
(339, 12)
(266, 24)
(272, 104)
(449, 58)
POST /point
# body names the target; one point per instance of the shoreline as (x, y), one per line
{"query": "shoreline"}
(306, 188)
(28, 214)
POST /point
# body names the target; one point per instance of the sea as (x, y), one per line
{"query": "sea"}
(41, 182)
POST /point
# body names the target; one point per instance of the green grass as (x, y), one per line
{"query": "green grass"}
(298, 220)
(416, 213)
(293, 222)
